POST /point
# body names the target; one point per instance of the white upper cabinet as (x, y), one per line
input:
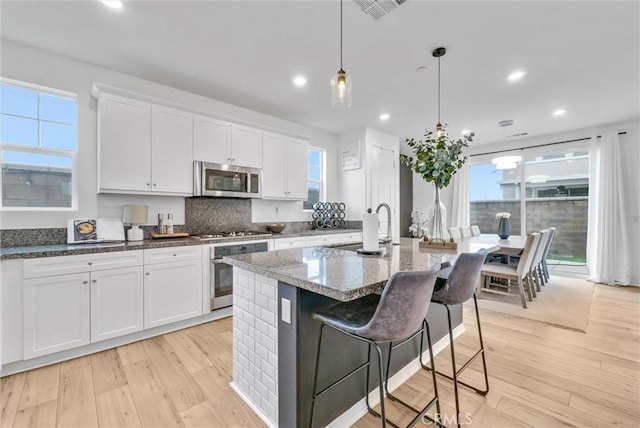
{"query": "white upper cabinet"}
(143, 148)
(171, 151)
(211, 140)
(284, 172)
(124, 140)
(246, 146)
(222, 142)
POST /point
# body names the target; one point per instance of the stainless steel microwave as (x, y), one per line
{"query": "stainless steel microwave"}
(213, 179)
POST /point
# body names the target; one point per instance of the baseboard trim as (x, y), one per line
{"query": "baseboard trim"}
(358, 410)
(253, 407)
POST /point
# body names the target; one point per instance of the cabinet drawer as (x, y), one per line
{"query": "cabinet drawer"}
(48, 266)
(347, 238)
(283, 244)
(172, 254)
(313, 241)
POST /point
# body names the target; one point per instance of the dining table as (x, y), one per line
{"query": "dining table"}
(512, 246)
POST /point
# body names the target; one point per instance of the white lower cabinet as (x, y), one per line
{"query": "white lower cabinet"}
(56, 313)
(65, 308)
(172, 290)
(116, 302)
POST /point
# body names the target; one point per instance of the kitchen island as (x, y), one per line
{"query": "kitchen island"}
(275, 335)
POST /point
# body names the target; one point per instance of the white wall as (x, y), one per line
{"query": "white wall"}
(43, 68)
(352, 183)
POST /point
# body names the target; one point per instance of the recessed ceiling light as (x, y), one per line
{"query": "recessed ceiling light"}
(299, 81)
(559, 112)
(516, 75)
(465, 132)
(113, 4)
(384, 116)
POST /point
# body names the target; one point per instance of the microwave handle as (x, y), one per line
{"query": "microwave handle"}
(197, 178)
(248, 183)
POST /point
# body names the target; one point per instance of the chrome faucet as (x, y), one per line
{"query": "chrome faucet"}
(387, 239)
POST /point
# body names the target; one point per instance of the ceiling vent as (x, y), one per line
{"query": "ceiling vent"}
(378, 8)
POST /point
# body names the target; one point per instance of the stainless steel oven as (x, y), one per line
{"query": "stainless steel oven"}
(221, 273)
(212, 179)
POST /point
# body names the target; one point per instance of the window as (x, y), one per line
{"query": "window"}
(315, 178)
(38, 145)
(555, 192)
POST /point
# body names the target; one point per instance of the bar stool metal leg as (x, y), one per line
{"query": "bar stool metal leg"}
(420, 413)
(456, 372)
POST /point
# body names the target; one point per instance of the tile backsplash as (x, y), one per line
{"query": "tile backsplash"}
(202, 216)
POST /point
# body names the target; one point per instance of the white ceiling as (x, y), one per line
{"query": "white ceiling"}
(580, 56)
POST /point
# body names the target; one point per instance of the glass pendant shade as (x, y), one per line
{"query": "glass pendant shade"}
(440, 131)
(341, 90)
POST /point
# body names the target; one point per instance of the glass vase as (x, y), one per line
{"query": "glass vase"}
(437, 219)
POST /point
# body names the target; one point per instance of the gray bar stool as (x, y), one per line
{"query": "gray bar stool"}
(460, 287)
(396, 315)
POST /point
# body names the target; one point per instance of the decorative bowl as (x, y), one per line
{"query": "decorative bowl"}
(276, 228)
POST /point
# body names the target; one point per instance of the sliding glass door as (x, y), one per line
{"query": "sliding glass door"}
(555, 193)
(493, 190)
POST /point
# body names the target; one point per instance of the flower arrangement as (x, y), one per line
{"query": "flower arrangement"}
(437, 158)
(503, 215)
(418, 226)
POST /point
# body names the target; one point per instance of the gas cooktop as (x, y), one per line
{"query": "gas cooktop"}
(234, 234)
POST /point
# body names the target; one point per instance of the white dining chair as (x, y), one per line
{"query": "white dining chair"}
(465, 231)
(475, 230)
(492, 272)
(454, 232)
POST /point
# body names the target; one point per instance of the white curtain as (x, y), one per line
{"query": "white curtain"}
(460, 215)
(608, 235)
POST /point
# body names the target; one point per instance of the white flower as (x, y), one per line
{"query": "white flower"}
(503, 215)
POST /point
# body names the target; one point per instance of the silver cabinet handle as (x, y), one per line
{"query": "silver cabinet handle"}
(148, 184)
(175, 255)
(147, 273)
(94, 281)
(85, 282)
(90, 263)
(154, 184)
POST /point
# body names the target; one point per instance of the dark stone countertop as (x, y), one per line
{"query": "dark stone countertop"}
(34, 251)
(346, 275)
(312, 232)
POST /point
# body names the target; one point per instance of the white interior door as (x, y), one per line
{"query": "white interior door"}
(383, 177)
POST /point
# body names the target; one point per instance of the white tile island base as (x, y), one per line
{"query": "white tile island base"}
(255, 342)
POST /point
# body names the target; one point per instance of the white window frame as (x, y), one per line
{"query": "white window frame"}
(323, 175)
(44, 151)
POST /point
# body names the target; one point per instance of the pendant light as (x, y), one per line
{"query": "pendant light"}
(341, 83)
(438, 53)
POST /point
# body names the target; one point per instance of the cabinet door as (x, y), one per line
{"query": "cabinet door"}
(246, 146)
(124, 144)
(116, 302)
(172, 292)
(211, 140)
(273, 170)
(172, 151)
(56, 313)
(296, 168)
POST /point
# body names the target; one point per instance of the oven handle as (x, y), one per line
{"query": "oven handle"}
(217, 261)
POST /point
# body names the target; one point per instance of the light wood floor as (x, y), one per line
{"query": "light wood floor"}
(540, 376)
